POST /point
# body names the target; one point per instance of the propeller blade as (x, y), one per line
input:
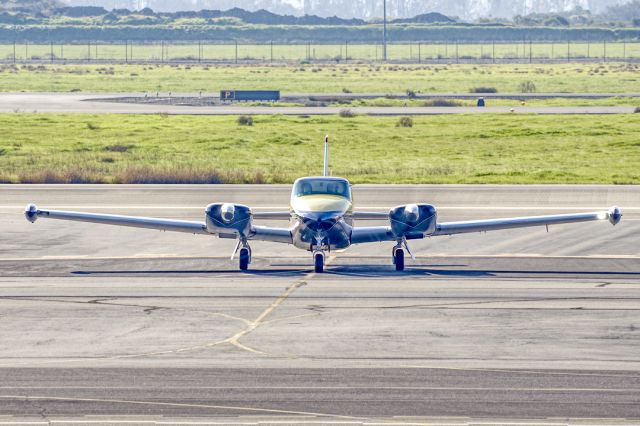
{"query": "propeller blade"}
(233, 255)
(408, 249)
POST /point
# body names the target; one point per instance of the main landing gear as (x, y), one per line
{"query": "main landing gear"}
(244, 255)
(318, 261)
(398, 258)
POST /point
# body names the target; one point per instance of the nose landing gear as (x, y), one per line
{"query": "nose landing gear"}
(318, 253)
(318, 260)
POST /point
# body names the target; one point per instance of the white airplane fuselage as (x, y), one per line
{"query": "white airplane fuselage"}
(321, 211)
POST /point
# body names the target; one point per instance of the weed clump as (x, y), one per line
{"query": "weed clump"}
(92, 126)
(347, 113)
(245, 120)
(483, 90)
(117, 148)
(441, 103)
(527, 87)
(405, 122)
(637, 110)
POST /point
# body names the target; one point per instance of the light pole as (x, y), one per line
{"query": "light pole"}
(384, 30)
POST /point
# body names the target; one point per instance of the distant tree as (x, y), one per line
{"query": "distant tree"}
(147, 11)
(623, 13)
(81, 11)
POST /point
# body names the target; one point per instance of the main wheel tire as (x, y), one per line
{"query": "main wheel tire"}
(245, 255)
(318, 260)
(399, 259)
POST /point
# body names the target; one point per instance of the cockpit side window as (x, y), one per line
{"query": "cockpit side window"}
(322, 187)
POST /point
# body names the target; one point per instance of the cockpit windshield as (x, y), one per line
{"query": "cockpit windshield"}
(322, 186)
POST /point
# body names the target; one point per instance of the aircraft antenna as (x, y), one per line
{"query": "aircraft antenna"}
(326, 155)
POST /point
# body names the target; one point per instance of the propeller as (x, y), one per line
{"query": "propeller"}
(406, 245)
(235, 250)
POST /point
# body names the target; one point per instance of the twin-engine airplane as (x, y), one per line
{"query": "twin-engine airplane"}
(322, 219)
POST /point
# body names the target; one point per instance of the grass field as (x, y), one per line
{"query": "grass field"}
(319, 52)
(553, 102)
(567, 78)
(443, 149)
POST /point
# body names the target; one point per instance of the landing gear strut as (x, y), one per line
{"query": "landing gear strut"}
(398, 258)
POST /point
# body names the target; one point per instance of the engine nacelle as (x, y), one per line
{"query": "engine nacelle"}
(413, 220)
(225, 218)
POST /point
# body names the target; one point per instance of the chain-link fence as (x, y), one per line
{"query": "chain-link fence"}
(235, 52)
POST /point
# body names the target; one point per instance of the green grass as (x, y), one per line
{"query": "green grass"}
(554, 102)
(505, 148)
(567, 78)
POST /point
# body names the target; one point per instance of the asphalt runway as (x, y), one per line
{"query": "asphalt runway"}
(98, 104)
(135, 326)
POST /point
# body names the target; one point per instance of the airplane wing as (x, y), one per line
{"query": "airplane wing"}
(449, 228)
(383, 233)
(281, 215)
(262, 233)
(370, 215)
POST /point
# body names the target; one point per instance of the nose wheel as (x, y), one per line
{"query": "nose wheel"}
(318, 260)
(398, 258)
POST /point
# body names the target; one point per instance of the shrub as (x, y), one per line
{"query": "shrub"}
(527, 87)
(345, 90)
(117, 148)
(441, 103)
(245, 120)
(411, 94)
(483, 90)
(347, 113)
(405, 122)
(92, 126)
(637, 110)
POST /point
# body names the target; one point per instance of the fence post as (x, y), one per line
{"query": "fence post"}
(605, 51)
(457, 56)
(162, 51)
(493, 51)
(346, 50)
(126, 51)
(419, 52)
(89, 51)
(199, 51)
(271, 51)
(530, 52)
(236, 51)
(624, 50)
(51, 52)
(568, 51)
(62, 51)
(26, 50)
(14, 50)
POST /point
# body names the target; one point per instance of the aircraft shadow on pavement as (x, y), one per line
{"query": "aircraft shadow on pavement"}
(370, 271)
(259, 272)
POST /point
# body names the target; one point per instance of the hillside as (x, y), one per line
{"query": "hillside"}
(369, 9)
(31, 6)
